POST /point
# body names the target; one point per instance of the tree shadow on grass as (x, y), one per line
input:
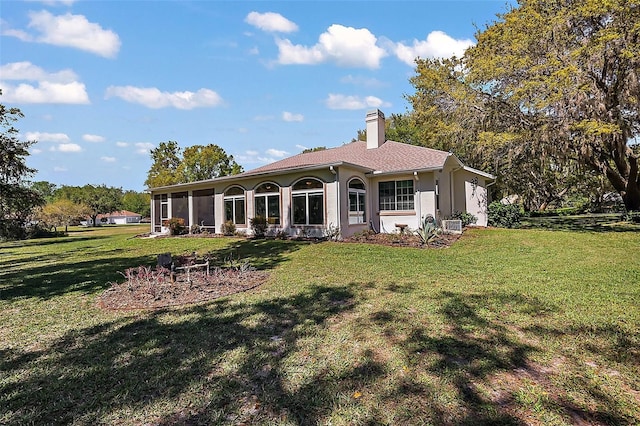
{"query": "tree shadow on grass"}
(262, 254)
(227, 356)
(582, 223)
(44, 280)
(39, 277)
(478, 347)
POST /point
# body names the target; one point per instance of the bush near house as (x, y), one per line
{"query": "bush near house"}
(176, 226)
(504, 215)
(465, 217)
(228, 228)
(259, 226)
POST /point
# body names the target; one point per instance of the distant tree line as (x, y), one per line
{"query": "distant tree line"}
(67, 205)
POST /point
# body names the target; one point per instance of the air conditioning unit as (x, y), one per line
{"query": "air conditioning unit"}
(452, 226)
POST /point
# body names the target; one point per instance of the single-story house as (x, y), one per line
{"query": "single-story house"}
(378, 184)
(120, 217)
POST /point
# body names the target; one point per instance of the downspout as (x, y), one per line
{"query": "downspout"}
(451, 192)
(335, 173)
(418, 196)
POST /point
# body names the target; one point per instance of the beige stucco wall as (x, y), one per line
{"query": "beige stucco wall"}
(471, 195)
(457, 191)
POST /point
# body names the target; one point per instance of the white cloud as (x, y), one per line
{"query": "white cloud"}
(276, 152)
(289, 116)
(108, 159)
(59, 87)
(59, 169)
(122, 144)
(271, 22)
(152, 97)
(144, 147)
(93, 138)
(69, 30)
(345, 46)
(68, 147)
(337, 101)
(27, 71)
(46, 137)
(253, 157)
(45, 93)
(437, 45)
(35, 151)
(302, 147)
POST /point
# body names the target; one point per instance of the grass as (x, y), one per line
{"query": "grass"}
(505, 327)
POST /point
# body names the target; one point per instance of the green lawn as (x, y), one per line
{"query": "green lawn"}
(505, 327)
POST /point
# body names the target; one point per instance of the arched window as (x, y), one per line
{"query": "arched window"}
(267, 202)
(357, 202)
(234, 210)
(308, 202)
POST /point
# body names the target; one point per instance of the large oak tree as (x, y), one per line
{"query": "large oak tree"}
(551, 85)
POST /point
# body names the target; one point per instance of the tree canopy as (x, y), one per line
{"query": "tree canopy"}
(100, 199)
(547, 98)
(137, 202)
(172, 164)
(17, 200)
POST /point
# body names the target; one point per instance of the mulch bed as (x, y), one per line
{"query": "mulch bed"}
(403, 240)
(155, 290)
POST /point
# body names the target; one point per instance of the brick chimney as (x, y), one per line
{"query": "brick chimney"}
(375, 129)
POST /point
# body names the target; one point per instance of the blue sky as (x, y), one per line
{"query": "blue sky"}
(102, 82)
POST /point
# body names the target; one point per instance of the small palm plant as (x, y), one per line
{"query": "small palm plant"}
(428, 230)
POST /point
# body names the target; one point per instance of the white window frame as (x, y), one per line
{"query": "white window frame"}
(398, 194)
(266, 195)
(357, 217)
(299, 193)
(234, 199)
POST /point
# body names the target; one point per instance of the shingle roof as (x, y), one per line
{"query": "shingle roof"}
(390, 157)
(119, 213)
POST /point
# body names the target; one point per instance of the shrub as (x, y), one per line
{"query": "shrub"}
(504, 215)
(175, 225)
(228, 228)
(259, 226)
(428, 230)
(466, 218)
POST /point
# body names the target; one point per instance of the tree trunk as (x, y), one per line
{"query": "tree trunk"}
(631, 197)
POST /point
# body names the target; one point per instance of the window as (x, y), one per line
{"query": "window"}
(396, 195)
(356, 202)
(203, 207)
(308, 202)
(267, 202)
(164, 207)
(234, 205)
(180, 206)
(157, 218)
